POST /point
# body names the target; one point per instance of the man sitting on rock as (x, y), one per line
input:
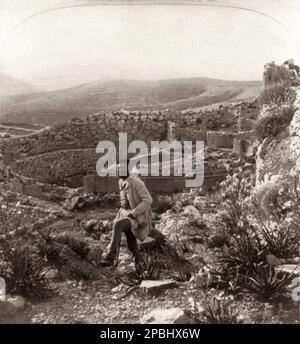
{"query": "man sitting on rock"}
(133, 218)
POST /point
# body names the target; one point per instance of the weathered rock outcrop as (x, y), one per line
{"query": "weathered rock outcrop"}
(280, 155)
(295, 133)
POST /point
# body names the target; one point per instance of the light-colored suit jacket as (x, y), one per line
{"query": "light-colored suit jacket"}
(134, 191)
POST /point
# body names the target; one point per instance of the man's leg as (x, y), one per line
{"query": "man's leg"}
(133, 246)
(119, 227)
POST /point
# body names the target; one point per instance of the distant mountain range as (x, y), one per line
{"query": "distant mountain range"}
(52, 107)
(12, 86)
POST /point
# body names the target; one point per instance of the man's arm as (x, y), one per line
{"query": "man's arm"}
(146, 199)
(123, 200)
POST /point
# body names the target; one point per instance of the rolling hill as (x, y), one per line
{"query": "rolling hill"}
(12, 86)
(58, 106)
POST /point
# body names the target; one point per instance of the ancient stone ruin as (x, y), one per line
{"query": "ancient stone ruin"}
(64, 154)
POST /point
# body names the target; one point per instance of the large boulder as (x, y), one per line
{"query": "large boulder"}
(199, 202)
(184, 224)
(171, 225)
(51, 274)
(76, 202)
(190, 210)
(173, 315)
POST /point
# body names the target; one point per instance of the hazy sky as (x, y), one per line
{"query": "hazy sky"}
(78, 44)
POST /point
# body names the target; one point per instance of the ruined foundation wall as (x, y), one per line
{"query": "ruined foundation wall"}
(65, 152)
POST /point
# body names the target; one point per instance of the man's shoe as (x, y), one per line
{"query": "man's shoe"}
(106, 261)
(139, 268)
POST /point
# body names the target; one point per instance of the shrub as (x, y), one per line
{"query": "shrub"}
(23, 272)
(219, 239)
(164, 203)
(174, 201)
(184, 273)
(74, 242)
(214, 309)
(20, 223)
(220, 311)
(245, 250)
(273, 124)
(245, 264)
(152, 267)
(277, 94)
(71, 256)
(265, 282)
(287, 111)
(277, 215)
(253, 237)
(244, 261)
(279, 238)
(212, 123)
(235, 191)
(274, 74)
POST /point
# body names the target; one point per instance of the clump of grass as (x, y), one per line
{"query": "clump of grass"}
(219, 239)
(265, 282)
(23, 272)
(278, 94)
(254, 235)
(273, 124)
(220, 311)
(214, 309)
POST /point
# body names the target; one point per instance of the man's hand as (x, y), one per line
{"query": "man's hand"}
(131, 216)
(123, 204)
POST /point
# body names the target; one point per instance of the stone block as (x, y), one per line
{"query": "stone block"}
(156, 287)
(173, 315)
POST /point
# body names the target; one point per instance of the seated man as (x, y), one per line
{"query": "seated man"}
(133, 218)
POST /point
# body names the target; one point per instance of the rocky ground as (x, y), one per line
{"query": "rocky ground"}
(225, 255)
(97, 303)
(178, 296)
(180, 261)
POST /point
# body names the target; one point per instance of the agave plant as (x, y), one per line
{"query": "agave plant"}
(24, 272)
(220, 311)
(213, 309)
(264, 281)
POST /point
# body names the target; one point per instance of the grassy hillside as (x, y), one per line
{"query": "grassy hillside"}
(58, 106)
(12, 86)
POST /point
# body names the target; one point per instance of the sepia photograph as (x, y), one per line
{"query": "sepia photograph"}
(149, 165)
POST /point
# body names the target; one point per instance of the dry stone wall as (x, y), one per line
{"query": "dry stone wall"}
(66, 167)
(65, 152)
(87, 133)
